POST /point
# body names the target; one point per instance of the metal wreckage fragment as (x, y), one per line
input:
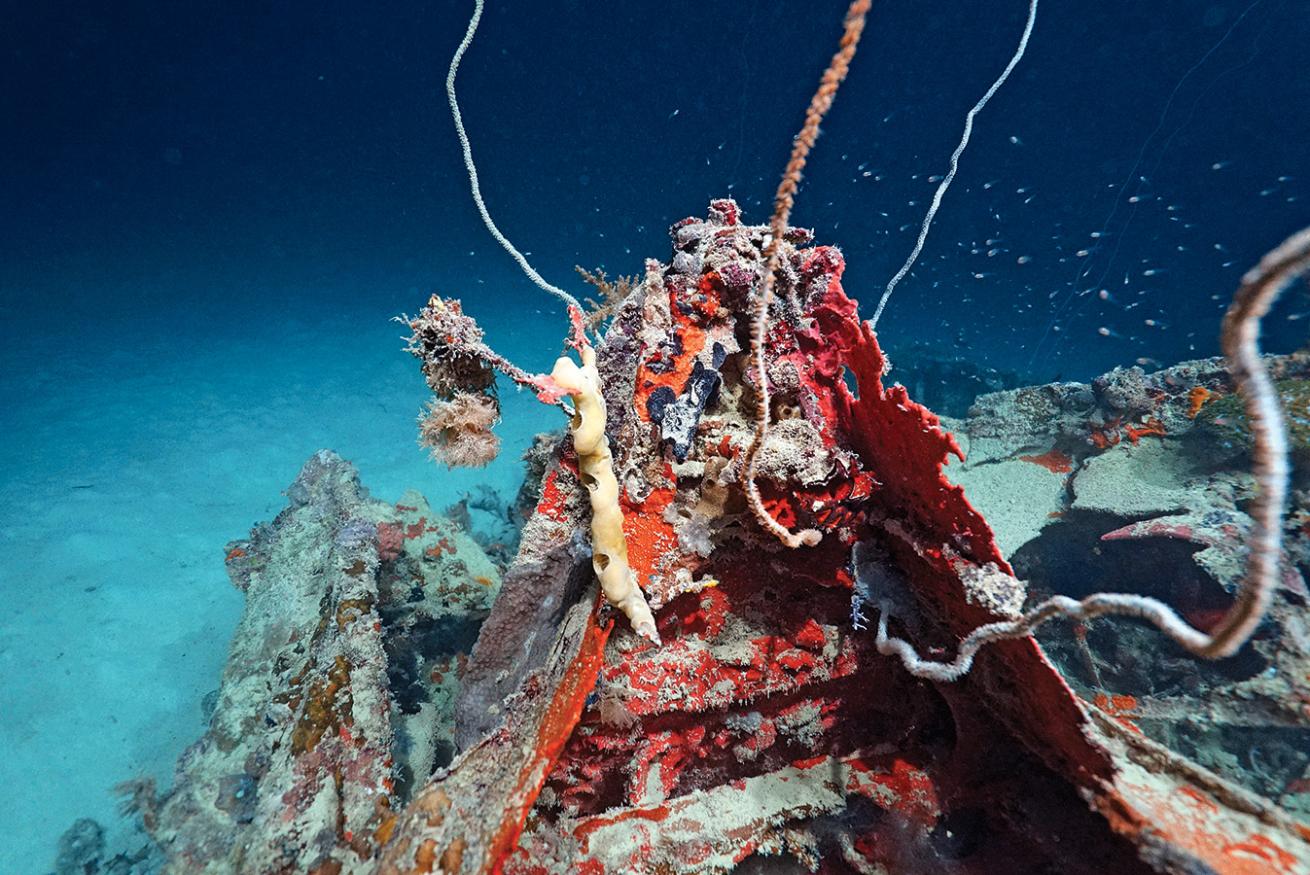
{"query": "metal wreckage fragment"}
(765, 733)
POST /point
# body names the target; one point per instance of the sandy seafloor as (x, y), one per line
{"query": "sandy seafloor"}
(138, 441)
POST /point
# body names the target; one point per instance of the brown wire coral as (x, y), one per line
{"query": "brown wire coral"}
(782, 204)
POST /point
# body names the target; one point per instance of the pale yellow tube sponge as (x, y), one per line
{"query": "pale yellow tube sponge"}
(609, 547)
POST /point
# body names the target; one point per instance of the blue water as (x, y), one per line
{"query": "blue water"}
(211, 210)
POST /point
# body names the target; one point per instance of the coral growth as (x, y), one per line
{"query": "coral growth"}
(458, 431)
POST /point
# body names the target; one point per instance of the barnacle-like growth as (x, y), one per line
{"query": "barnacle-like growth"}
(449, 345)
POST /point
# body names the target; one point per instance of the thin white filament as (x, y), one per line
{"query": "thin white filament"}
(473, 171)
(955, 163)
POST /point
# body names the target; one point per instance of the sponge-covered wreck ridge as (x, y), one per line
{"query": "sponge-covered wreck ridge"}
(393, 703)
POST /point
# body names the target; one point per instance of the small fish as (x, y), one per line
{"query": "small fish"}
(672, 114)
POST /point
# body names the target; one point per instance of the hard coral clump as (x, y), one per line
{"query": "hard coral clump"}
(458, 431)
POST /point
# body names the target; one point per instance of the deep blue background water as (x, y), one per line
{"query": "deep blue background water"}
(295, 157)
